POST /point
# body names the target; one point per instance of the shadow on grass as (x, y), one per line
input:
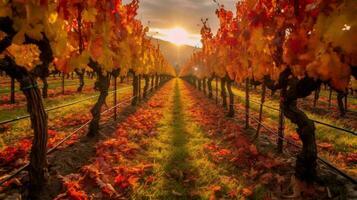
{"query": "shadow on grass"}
(178, 169)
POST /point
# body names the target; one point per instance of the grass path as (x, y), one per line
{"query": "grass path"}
(182, 166)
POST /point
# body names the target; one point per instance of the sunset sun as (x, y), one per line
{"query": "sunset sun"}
(177, 35)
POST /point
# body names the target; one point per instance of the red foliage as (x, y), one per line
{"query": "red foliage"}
(72, 185)
(111, 170)
(10, 154)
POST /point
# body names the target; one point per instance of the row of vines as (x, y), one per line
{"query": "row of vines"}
(289, 46)
(100, 37)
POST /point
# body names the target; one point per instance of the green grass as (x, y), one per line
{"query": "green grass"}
(53, 102)
(182, 168)
(52, 84)
(343, 142)
(21, 129)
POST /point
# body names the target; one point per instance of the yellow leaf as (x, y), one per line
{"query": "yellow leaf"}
(89, 15)
(27, 56)
(52, 18)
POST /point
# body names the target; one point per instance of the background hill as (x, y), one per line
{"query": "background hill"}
(176, 55)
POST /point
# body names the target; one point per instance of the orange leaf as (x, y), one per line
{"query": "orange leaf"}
(247, 192)
(133, 180)
(215, 188)
(253, 150)
(325, 145)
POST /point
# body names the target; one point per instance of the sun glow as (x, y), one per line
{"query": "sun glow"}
(177, 35)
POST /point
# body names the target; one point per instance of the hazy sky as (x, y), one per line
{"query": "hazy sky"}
(165, 15)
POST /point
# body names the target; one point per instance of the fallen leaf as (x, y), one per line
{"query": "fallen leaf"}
(247, 192)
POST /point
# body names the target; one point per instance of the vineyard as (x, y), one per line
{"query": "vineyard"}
(92, 108)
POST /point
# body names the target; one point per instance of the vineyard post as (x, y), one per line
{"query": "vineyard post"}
(247, 103)
(146, 86)
(346, 107)
(341, 107)
(139, 88)
(209, 84)
(204, 85)
(12, 95)
(62, 83)
(216, 90)
(329, 98)
(231, 97)
(262, 100)
(281, 123)
(115, 98)
(152, 83)
(194, 81)
(199, 84)
(156, 81)
(316, 96)
(223, 92)
(135, 89)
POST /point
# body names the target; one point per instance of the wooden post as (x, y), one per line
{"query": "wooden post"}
(216, 90)
(329, 98)
(315, 99)
(204, 85)
(139, 86)
(152, 83)
(12, 95)
(247, 103)
(115, 98)
(62, 83)
(262, 100)
(281, 124)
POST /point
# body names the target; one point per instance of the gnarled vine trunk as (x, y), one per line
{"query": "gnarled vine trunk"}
(12, 91)
(152, 83)
(223, 92)
(38, 162)
(45, 87)
(204, 86)
(146, 87)
(134, 101)
(231, 98)
(341, 107)
(139, 87)
(209, 85)
(122, 79)
(102, 84)
(156, 81)
(199, 84)
(316, 96)
(262, 100)
(305, 167)
(194, 82)
(80, 74)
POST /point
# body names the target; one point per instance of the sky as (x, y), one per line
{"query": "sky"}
(179, 21)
